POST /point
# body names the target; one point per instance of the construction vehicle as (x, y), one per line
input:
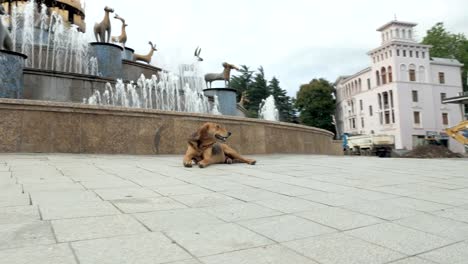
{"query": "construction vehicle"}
(370, 145)
(454, 132)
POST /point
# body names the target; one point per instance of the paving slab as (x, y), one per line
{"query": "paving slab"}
(136, 249)
(125, 193)
(142, 205)
(452, 254)
(26, 234)
(19, 214)
(77, 210)
(340, 248)
(67, 230)
(211, 240)
(399, 238)
(51, 254)
(240, 211)
(441, 226)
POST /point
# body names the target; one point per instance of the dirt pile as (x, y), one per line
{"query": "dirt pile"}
(431, 152)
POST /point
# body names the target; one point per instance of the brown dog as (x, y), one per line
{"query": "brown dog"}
(204, 147)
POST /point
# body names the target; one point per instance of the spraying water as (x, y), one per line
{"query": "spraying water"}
(268, 110)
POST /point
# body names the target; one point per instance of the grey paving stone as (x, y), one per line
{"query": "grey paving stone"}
(63, 197)
(204, 200)
(104, 184)
(415, 204)
(16, 199)
(339, 218)
(142, 205)
(368, 195)
(184, 189)
(453, 254)
(454, 213)
(413, 260)
(190, 261)
(175, 219)
(51, 254)
(381, 210)
(249, 194)
(211, 240)
(136, 249)
(125, 193)
(76, 210)
(332, 199)
(59, 186)
(399, 238)
(340, 248)
(290, 204)
(240, 211)
(26, 234)
(275, 254)
(96, 227)
(437, 225)
(286, 227)
(19, 214)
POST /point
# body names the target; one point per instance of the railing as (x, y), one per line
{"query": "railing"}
(462, 94)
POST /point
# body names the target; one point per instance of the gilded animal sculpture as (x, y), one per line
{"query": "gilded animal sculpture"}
(224, 76)
(123, 36)
(102, 31)
(146, 58)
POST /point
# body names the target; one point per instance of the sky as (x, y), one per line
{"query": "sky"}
(294, 40)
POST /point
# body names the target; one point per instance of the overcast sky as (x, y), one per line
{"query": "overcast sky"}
(294, 40)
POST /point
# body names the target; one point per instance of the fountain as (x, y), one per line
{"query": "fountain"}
(268, 110)
(84, 97)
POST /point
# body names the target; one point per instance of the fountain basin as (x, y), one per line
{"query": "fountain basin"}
(109, 58)
(51, 127)
(11, 74)
(227, 98)
(133, 70)
(127, 54)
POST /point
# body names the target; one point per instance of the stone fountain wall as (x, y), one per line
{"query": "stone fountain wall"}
(50, 127)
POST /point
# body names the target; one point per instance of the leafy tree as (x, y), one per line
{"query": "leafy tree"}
(258, 91)
(448, 45)
(283, 102)
(316, 104)
(242, 82)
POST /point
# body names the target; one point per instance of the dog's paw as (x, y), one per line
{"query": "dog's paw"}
(229, 161)
(188, 164)
(252, 162)
(202, 166)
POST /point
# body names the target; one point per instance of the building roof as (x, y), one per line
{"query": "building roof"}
(445, 61)
(345, 78)
(397, 23)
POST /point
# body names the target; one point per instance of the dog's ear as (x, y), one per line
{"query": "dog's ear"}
(200, 132)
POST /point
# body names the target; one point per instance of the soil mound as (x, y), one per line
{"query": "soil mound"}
(431, 152)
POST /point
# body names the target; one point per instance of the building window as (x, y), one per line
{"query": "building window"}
(361, 106)
(393, 116)
(417, 54)
(445, 120)
(360, 84)
(387, 117)
(354, 123)
(381, 118)
(381, 57)
(417, 118)
(362, 122)
(380, 101)
(411, 53)
(390, 53)
(441, 78)
(443, 96)
(398, 52)
(390, 74)
(368, 84)
(377, 76)
(415, 96)
(404, 53)
(371, 113)
(385, 100)
(412, 73)
(423, 55)
(383, 73)
(403, 72)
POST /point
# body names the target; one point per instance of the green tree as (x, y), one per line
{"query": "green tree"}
(242, 82)
(316, 104)
(257, 92)
(448, 45)
(283, 102)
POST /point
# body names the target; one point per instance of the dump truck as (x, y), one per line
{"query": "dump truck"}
(370, 145)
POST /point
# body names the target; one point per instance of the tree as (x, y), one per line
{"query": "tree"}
(256, 93)
(448, 45)
(283, 102)
(316, 104)
(242, 82)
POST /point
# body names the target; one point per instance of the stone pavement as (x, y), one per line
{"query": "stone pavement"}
(294, 209)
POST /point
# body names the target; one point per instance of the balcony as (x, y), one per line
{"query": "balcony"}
(462, 98)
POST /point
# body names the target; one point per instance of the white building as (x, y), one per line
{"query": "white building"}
(401, 92)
